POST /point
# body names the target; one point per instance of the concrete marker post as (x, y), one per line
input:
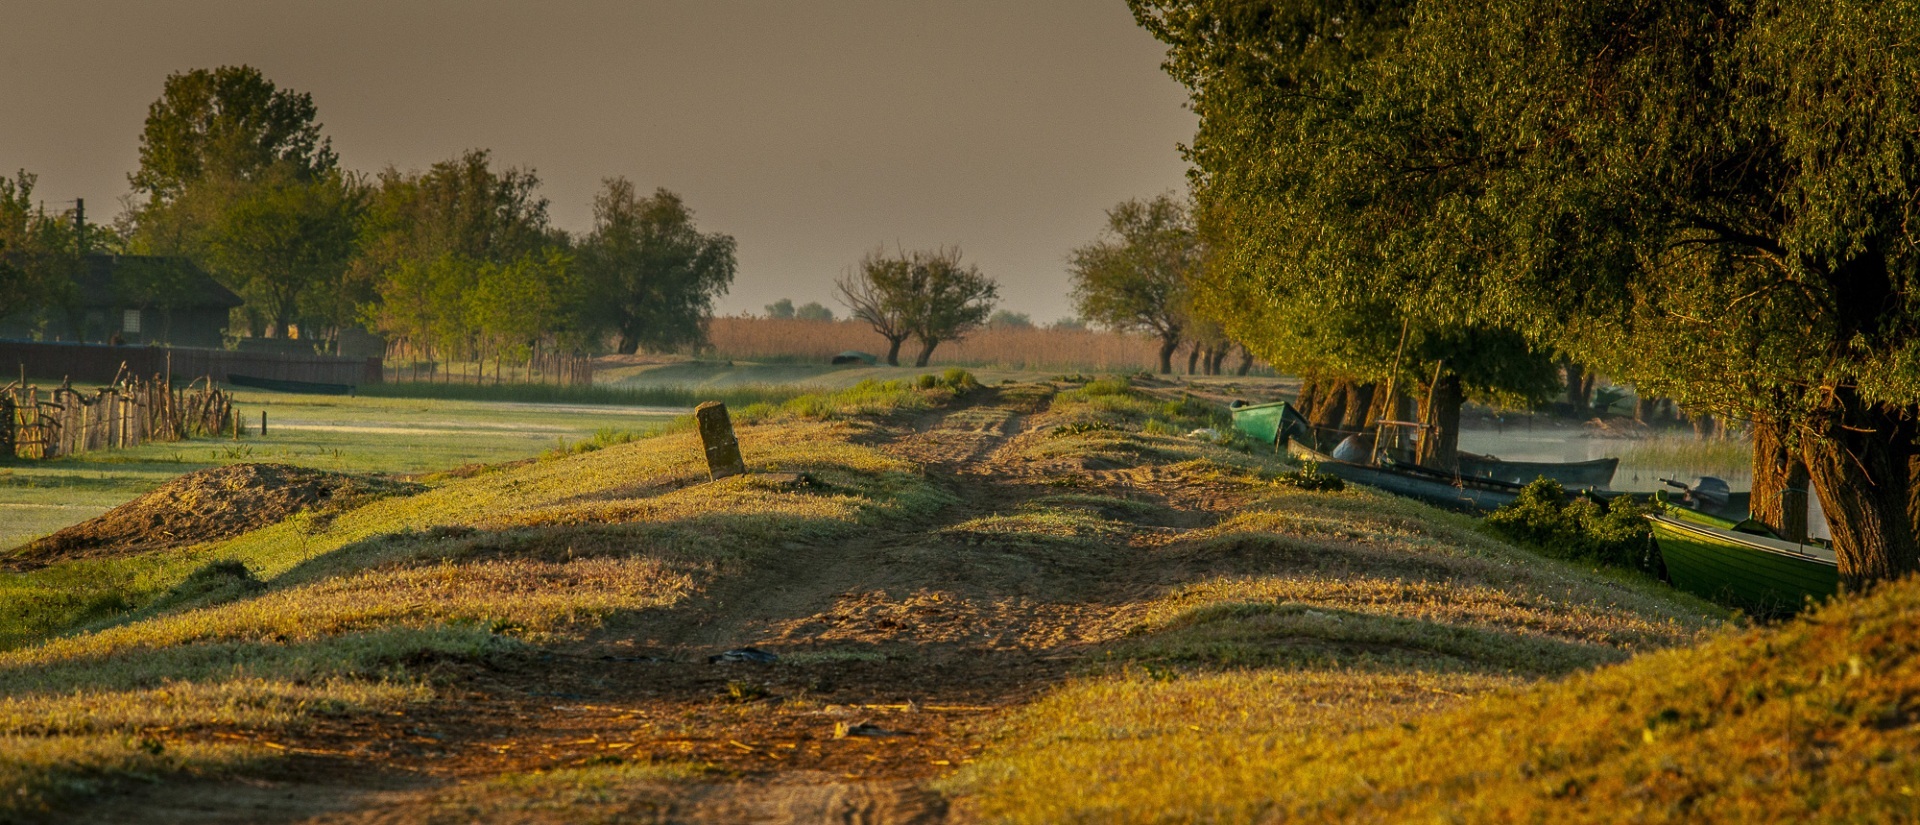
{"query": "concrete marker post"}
(716, 435)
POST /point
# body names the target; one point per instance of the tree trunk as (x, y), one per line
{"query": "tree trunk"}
(926, 353)
(1440, 442)
(1645, 410)
(1246, 361)
(1702, 426)
(1860, 463)
(893, 351)
(629, 343)
(1309, 396)
(1577, 388)
(1331, 406)
(1779, 483)
(1218, 359)
(1168, 343)
(1193, 357)
(1359, 407)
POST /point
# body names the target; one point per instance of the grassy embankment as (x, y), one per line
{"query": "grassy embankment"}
(1246, 647)
(322, 618)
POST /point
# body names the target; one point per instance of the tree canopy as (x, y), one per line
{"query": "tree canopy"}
(652, 273)
(1709, 200)
(929, 295)
(1136, 277)
(38, 250)
(226, 123)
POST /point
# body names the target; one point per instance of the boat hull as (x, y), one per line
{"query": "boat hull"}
(1468, 495)
(1572, 474)
(1263, 423)
(1763, 576)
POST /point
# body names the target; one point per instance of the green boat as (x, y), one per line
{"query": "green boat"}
(1264, 423)
(1735, 563)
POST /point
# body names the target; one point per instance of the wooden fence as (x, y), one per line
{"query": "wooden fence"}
(542, 363)
(101, 363)
(37, 423)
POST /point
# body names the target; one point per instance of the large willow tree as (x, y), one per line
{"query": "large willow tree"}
(1713, 200)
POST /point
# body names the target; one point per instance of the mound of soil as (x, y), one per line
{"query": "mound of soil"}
(205, 505)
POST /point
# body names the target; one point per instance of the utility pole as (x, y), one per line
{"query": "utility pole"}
(80, 226)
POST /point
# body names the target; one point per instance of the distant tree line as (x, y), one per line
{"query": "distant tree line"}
(458, 261)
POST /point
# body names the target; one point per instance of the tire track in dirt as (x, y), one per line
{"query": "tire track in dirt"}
(905, 631)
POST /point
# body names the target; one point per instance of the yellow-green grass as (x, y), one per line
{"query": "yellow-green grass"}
(1813, 720)
(528, 553)
(1301, 614)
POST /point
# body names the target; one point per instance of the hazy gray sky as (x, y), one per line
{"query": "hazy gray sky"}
(811, 131)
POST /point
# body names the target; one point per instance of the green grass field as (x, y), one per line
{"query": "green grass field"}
(360, 435)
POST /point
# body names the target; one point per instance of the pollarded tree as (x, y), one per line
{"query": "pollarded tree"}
(1270, 81)
(1707, 201)
(874, 293)
(928, 295)
(653, 274)
(946, 299)
(1135, 278)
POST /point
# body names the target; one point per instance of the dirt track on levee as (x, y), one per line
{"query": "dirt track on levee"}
(959, 626)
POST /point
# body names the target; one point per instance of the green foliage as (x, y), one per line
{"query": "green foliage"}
(1309, 477)
(38, 251)
(1008, 319)
(781, 310)
(227, 124)
(925, 294)
(1083, 427)
(1577, 528)
(1708, 201)
(812, 311)
(652, 275)
(1136, 277)
(283, 241)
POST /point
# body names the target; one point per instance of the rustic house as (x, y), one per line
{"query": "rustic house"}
(134, 299)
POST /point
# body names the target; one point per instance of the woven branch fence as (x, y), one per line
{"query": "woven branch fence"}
(40, 423)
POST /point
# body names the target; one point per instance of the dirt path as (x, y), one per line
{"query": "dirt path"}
(893, 644)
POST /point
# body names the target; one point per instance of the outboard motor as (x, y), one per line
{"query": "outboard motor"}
(1707, 494)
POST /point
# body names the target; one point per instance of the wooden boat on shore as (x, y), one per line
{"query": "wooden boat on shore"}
(1735, 563)
(284, 385)
(1571, 474)
(1453, 492)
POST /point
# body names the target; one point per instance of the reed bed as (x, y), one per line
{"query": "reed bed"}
(1032, 348)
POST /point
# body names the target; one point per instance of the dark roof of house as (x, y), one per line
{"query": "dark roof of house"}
(117, 280)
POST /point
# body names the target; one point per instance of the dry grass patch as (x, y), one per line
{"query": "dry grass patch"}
(617, 791)
(1157, 746)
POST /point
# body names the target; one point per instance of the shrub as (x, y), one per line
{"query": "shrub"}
(1579, 528)
(1309, 477)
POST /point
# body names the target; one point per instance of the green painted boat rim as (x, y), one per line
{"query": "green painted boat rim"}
(1810, 553)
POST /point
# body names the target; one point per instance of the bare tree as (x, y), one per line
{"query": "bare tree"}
(869, 294)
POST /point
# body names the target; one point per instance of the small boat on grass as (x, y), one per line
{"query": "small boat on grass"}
(1571, 474)
(1741, 564)
(1279, 424)
(1446, 490)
